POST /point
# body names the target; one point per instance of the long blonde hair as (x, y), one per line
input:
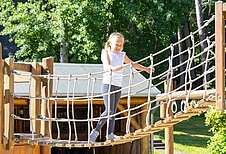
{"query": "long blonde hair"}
(107, 44)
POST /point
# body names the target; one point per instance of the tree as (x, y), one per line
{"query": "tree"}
(43, 29)
(78, 29)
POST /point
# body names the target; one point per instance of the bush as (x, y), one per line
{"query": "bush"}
(217, 120)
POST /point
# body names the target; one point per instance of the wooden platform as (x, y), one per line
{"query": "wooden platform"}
(200, 107)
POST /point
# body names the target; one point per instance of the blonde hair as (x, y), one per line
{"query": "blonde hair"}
(107, 44)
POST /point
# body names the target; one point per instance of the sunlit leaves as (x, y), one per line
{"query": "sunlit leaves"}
(39, 27)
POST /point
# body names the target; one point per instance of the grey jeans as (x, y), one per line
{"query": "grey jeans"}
(114, 101)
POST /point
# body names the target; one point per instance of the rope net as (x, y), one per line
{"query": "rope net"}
(193, 68)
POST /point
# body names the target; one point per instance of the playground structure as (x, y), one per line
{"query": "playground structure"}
(175, 103)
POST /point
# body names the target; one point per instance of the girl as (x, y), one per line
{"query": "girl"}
(113, 58)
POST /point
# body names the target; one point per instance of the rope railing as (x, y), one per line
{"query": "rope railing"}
(184, 93)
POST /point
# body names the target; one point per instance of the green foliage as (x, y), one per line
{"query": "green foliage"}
(39, 27)
(217, 120)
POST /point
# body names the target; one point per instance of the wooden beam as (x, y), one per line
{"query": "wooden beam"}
(22, 66)
(21, 78)
(180, 95)
(35, 103)
(23, 102)
(220, 55)
(133, 121)
(9, 104)
(123, 101)
(1, 99)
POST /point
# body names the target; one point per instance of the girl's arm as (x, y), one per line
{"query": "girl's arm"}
(138, 66)
(106, 63)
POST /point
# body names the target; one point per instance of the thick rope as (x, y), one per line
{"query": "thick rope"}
(154, 80)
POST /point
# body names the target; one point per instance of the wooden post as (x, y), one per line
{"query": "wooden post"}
(163, 106)
(47, 64)
(35, 92)
(145, 141)
(169, 137)
(220, 54)
(9, 105)
(1, 99)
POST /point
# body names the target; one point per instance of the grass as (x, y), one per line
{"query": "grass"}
(190, 136)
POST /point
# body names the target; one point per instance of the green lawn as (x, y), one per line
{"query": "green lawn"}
(190, 136)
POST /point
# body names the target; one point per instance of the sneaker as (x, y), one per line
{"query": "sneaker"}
(93, 136)
(112, 136)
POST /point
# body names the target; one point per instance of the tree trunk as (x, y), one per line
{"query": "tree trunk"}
(202, 34)
(183, 32)
(63, 49)
(199, 17)
(181, 57)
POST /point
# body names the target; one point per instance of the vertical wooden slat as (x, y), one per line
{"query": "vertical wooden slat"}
(35, 92)
(220, 54)
(169, 137)
(1, 98)
(47, 64)
(9, 104)
(43, 111)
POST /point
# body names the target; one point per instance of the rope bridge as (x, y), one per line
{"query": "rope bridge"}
(189, 99)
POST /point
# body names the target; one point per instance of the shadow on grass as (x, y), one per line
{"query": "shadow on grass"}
(191, 140)
(195, 125)
(192, 132)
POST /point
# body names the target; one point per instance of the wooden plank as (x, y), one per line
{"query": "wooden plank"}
(21, 78)
(133, 121)
(220, 55)
(180, 95)
(25, 67)
(123, 101)
(9, 104)
(35, 103)
(1, 98)
(43, 111)
(206, 102)
(196, 109)
(184, 115)
(23, 102)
